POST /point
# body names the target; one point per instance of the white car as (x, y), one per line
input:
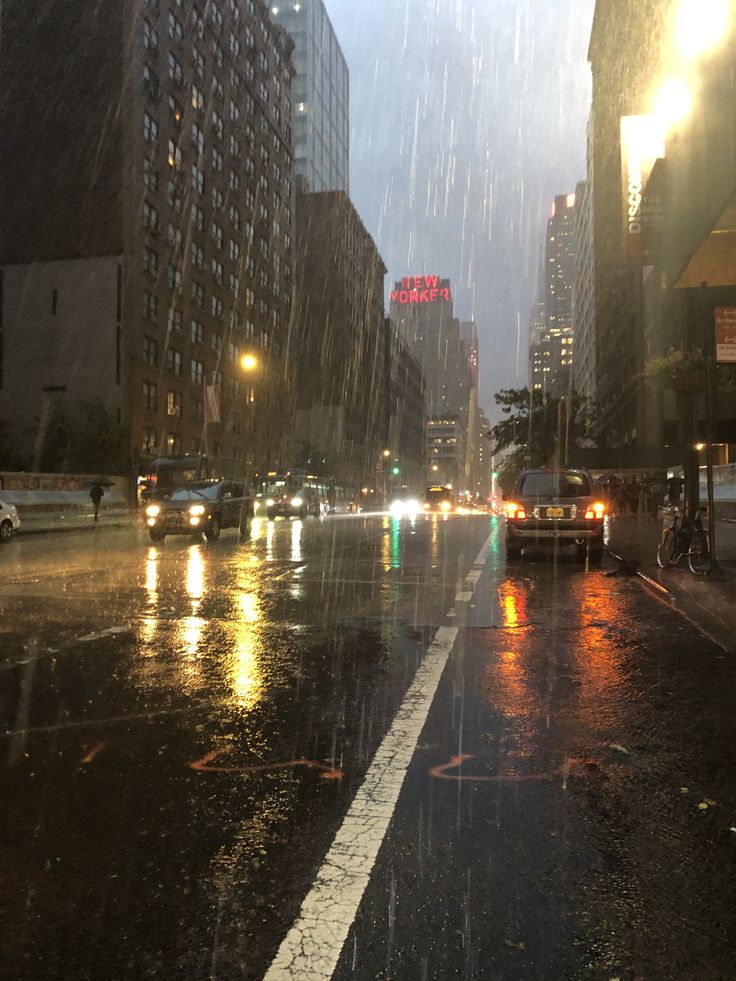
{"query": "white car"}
(9, 521)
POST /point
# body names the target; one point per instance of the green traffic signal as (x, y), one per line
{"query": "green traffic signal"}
(395, 471)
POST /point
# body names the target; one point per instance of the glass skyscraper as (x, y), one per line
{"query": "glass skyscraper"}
(320, 95)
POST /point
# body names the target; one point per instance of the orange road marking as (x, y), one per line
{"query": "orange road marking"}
(203, 764)
(441, 772)
(94, 751)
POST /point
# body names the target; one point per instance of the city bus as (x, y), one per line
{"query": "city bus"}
(296, 493)
(438, 498)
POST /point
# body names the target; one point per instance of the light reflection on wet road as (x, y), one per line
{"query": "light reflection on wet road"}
(186, 726)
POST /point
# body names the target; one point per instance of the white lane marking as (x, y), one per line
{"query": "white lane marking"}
(464, 597)
(311, 949)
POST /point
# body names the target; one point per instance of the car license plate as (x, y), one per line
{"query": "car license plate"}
(555, 512)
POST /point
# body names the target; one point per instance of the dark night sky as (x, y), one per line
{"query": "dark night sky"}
(466, 118)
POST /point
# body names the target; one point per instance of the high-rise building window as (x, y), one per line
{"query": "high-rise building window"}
(150, 82)
(197, 179)
(150, 396)
(217, 271)
(197, 255)
(173, 361)
(217, 159)
(175, 321)
(174, 277)
(197, 294)
(197, 98)
(173, 444)
(218, 89)
(197, 138)
(150, 128)
(234, 112)
(234, 250)
(217, 234)
(176, 72)
(197, 372)
(174, 156)
(199, 410)
(198, 61)
(197, 332)
(197, 218)
(149, 443)
(150, 175)
(176, 112)
(173, 404)
(216, 307)
(173, 236)
(150, 261)
(234, 216)
(218, 198)
(150, 350)
(176, 31)
(150, 37)
(150, 305)
(217, 124)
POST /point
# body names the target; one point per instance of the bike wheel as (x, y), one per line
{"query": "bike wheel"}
(698, 558)
(668, 552)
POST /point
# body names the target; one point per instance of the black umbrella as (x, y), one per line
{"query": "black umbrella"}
(100, 482)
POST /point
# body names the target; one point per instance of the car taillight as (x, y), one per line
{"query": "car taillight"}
(515, 511)
(596, 510)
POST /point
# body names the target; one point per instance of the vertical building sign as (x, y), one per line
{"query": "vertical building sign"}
(725, 324)
(212, 403)
(642, 142)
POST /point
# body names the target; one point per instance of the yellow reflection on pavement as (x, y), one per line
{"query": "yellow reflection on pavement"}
(195, 577)
(296, 541)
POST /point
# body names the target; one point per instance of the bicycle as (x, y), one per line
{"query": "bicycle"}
(685, 536)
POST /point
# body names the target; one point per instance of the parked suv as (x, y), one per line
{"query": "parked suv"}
(201, 507)
(552, 508)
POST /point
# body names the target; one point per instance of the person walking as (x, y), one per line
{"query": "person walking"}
(96, 494)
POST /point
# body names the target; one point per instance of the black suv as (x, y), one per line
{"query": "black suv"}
(201, 507)
(552, 508)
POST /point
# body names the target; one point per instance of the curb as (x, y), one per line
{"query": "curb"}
(26, 531)
(674, 602)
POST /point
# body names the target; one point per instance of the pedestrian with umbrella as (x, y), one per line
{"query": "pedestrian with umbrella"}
(97, 492)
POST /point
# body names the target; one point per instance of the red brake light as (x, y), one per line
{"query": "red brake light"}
(515, 511)
(596, 510)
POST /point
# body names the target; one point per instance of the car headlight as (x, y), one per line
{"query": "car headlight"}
(445, 505)
(197, 509)
(397, 507)
(270, 502)
(153, 510)
(296, 502)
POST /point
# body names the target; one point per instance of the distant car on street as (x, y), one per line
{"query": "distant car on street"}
(202, 507)
(9, 521)
(439, 498)
(552, 507)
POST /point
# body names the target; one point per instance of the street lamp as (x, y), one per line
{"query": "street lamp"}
(249, 362)
(673, 101)
(700, 26)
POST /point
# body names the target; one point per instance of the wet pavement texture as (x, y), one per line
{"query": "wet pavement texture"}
(185, 727)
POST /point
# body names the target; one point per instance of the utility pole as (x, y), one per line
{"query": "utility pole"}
(715, 571)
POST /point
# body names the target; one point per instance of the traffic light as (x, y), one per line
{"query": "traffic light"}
(395, 471)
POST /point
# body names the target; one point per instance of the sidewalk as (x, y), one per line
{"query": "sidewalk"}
(43, 522)
(708, 604)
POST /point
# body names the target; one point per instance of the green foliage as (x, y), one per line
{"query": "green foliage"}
(83, 438)
(534, 426)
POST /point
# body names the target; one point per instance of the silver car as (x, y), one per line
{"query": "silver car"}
(9, 521)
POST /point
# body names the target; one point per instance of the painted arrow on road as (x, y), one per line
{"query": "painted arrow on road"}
(204, 765)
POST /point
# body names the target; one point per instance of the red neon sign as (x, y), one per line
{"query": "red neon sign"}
(421, 289)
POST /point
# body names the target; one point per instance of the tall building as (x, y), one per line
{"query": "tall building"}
(559, 274)
(540, 349)
(338, 342)
(583, 299)
(145, 244)
(406, 442)
(320, 97)
(422, 313)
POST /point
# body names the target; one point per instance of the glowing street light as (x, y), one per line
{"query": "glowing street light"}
(701, 25)
(249, 362)
(673, 101)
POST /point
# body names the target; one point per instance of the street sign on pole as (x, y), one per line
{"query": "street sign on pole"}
(725, 334)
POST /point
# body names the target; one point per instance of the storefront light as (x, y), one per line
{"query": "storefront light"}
(700, 26)
(673, 101)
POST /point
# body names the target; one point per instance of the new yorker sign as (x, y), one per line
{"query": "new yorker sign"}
(421, 289)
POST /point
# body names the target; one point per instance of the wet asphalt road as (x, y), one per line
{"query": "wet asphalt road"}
(184, 728)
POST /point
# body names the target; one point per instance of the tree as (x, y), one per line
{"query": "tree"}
(541, 429)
